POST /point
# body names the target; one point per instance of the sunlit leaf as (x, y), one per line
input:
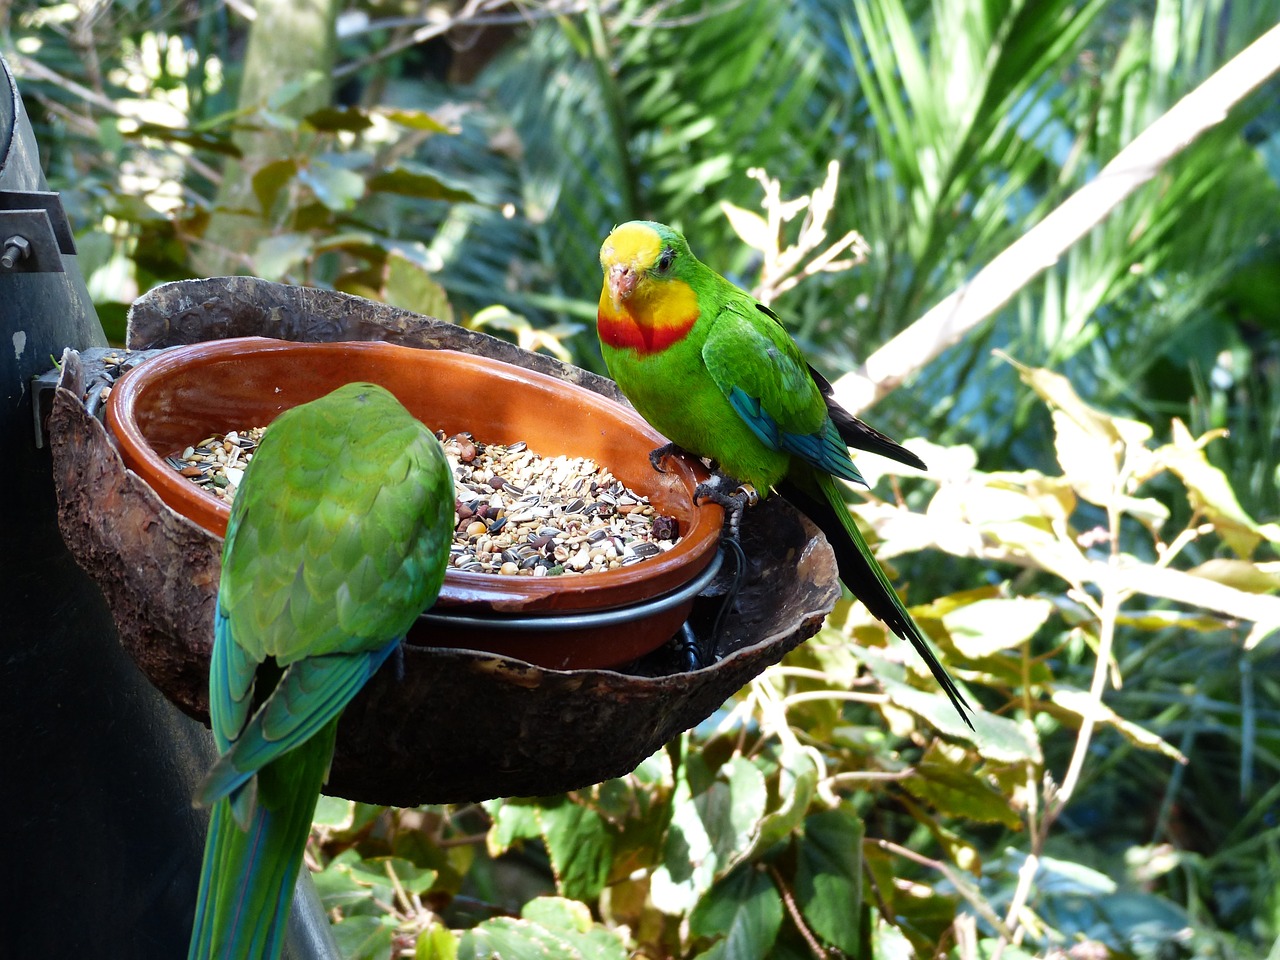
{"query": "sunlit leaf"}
(580, 847)
(416, 120)
(958, 790)
(750, 226)
(437, 942)
(409, 286)
(275, 256)
(989, 626)
(1083, 705)
(1209, 490)
(336, 187)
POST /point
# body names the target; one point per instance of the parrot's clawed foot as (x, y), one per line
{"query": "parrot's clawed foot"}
(744, 495)
(656, 457)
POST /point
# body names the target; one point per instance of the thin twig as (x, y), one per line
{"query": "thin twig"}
(797, 918)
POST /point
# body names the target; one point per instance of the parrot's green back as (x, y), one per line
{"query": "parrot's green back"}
(338, 538)
(715, 372)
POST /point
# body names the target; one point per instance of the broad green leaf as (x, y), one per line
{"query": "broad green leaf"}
(797, 780)
(334, 812)
(337, 886)
(745, 909)
(212, 141)
(732, 809)
(989, 626)
(960, 790)
(573, 921)
(336, 187)
(437, 942)
(1177, 585)
(364, 937)
(580, 847)
(276, 256)
(709, 832)
(270, 179)
(829, 876)
(414, 183)
(506, 938)
(329, 119)
(513, 820)
(409, 286)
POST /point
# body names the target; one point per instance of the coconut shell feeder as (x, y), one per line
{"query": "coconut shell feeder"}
(451, 724)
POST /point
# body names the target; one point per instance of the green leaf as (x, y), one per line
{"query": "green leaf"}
(505, 938)
(573, 921)
(416, 120)
(412, 287)
(1209, 489)
(746, 909)
(329, 119)
(989, 626)
(364, 937)
(959, 790)
(709, 833)
(414, 183)
(829, 876)
(437, 942)
(797, 781)
(513, 820)
(334, 812)
(580, 847)
(1081, 704)
(270, 179)
(336, 187)
(275, 256)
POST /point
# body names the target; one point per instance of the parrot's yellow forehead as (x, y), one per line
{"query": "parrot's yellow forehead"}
(633, 244)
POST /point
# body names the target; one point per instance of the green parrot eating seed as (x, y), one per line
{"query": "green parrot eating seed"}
(338, 538)
(713, 370)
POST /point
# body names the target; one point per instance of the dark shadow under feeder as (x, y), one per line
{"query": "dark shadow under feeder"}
(451, 724)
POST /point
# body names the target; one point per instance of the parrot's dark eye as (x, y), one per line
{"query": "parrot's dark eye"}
(667, 258)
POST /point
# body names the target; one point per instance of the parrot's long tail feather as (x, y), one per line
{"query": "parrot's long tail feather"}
(246, 884)
(864, 578)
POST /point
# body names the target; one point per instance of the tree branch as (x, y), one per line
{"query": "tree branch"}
(993, 286)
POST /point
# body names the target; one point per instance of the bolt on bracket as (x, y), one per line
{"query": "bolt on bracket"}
(34, 232)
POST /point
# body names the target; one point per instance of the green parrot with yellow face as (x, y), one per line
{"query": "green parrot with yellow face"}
(338, 538)
(713, 370)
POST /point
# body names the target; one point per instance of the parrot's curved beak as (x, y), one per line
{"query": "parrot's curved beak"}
(622, 283)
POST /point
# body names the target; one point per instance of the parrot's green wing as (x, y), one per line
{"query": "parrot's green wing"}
(855, 433)
(761, 371)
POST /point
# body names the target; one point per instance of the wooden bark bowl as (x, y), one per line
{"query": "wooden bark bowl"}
(451, 725)
(191, 392)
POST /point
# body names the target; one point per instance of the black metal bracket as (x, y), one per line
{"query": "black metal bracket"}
(34, 232)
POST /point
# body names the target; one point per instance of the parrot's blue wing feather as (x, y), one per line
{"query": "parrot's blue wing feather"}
(231, 676)
(824, 450)
(767, 383)
(310, 693)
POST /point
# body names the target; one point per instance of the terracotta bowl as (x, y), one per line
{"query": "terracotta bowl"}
(188, 393)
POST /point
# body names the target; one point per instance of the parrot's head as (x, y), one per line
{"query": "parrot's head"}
(640, 259)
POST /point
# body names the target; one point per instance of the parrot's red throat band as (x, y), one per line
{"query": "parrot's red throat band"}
(620, 330)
